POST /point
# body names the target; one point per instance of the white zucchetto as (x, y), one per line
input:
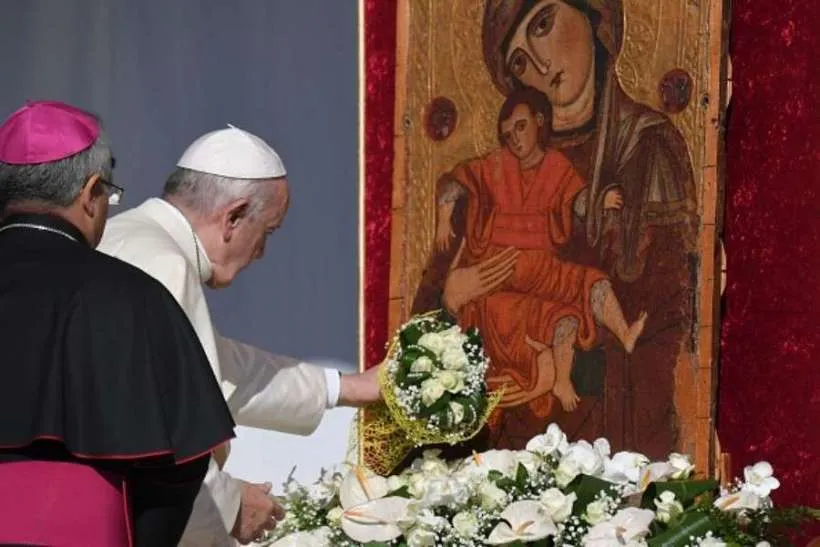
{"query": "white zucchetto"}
(233, 153)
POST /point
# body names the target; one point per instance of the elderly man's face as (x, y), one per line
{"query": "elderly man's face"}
(247, 241)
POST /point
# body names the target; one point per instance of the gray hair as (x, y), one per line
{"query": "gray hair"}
(56, 183)
(206, 193)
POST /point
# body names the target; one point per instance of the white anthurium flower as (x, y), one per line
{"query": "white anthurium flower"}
(361, 485)
(682, 465)
(558, 504)
(375, 520)
(422, 364)
(739, 501)
(313, 538)
(553, 442)
(759, 479)
(654, 472)
(433, 341)
(668, 507)
(627, 527)
(524, 521)
(625, 467)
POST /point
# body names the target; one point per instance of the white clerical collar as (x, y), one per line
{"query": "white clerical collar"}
(183, 232)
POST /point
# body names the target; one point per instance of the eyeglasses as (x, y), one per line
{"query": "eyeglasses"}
(114, 192)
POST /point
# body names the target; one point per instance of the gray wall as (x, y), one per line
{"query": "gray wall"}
(161, 72)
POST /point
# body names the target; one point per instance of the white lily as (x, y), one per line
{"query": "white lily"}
(523, 521)
(553, 442)
(375, 520)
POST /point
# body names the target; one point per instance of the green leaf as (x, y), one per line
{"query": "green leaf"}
(521, 476)
(435, 407)
(410, 335)
(403, 492)
(692, 524)
(586, 488)
(685, 491)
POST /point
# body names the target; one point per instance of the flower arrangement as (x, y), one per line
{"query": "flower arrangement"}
(433, 382)
(553, 493)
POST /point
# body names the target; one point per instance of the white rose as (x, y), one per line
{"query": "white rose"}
(422, 364)
(334, 516)
(596, 513)
(450, 380)
(433, 341)
(566, 472)
(466, 524)
(454, 358)
(445, 491)
(458, 412)
(711, 541)
(417, 485)
(763, 544)
(529, 460)
(551, 442)
(421, 537)
(396, 482)
(430, 464)
(682, 465)
(668, 507)
(558, 504)
(760, 479)
(453, 337)
(431, 391)
(492, 497)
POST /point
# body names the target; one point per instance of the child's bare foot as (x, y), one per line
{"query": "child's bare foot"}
(565, 392)
(634, 332)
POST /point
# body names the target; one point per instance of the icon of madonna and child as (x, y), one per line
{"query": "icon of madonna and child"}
(571, 246)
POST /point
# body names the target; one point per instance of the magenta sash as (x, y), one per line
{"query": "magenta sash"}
(62, 505)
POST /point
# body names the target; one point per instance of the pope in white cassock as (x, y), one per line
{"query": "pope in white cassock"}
(228, 193)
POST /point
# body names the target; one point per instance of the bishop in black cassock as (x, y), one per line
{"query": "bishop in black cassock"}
(109, 407)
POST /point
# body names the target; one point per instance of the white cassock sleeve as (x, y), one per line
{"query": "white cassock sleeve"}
(273, 391)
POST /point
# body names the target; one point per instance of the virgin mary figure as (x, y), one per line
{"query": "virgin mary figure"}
(567, 50)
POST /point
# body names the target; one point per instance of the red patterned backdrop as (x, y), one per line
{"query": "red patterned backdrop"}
(769, 400)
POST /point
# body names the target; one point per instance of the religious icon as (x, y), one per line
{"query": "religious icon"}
(570, 214)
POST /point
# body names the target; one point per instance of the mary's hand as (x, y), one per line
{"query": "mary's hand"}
(464, 285)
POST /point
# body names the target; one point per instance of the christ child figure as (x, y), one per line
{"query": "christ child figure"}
(521, 199)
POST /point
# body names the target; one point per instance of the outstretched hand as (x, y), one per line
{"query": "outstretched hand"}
(466, 284)
(360, 389)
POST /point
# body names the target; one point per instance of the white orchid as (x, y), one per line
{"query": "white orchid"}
(580, 457)
(524, 521)
(627, 527)
(759, 479)
(625, 467)
(553, 442)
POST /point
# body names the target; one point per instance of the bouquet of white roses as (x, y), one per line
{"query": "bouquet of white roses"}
(554, 493)
(433, 382)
